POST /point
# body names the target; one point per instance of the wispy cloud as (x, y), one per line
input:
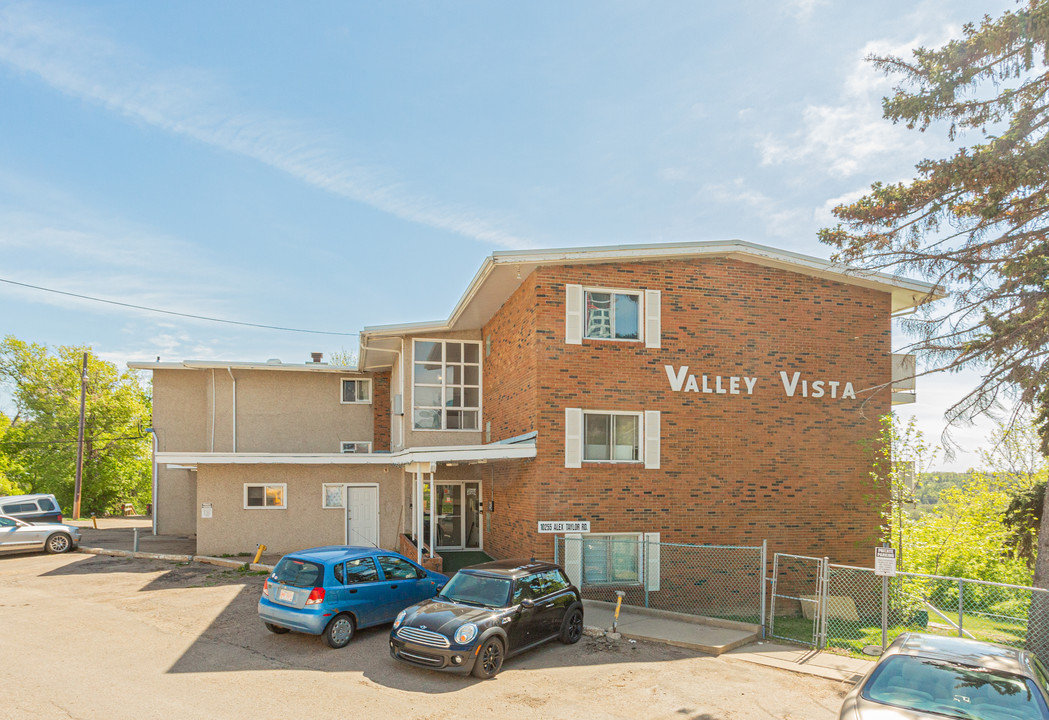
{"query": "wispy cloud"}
(84, 63)
(778, 221)
(851, 136)
(804, 8)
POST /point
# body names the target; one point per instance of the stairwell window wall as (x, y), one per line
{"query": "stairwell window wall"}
(446, 385)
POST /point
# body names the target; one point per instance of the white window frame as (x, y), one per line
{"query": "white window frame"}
(367, 444)
(640, 436)
(324, 495)
(283, 494)
(342, 394)
(638, 538)
(444, 385)
(639, 294)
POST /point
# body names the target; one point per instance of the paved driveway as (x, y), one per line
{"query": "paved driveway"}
(101, 637)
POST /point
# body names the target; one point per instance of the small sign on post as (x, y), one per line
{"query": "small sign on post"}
(885, 561)
(569, 526)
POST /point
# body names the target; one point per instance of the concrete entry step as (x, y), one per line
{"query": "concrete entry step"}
(708, 635)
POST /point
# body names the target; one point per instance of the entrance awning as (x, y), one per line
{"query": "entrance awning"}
(522, 450)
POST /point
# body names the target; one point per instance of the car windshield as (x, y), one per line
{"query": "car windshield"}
(477, 590)
(954, 690)
(299, 573)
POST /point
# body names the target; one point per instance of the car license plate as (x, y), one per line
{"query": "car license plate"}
(286, 595)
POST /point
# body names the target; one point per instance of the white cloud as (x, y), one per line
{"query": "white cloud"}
(778, 221)
(804, 8)
(852, 136)
(190, 102)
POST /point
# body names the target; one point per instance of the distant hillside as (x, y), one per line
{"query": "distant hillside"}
(930, 484)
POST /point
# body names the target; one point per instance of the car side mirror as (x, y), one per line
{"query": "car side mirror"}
(527, 603)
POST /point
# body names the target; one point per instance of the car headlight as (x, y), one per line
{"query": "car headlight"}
(400, 619)
(465, 633)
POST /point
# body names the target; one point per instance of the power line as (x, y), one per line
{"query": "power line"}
(172, 312)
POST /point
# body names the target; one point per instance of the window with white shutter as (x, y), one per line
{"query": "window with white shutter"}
(573, 437)
(573, 314)
(653, 313)
(652, 439)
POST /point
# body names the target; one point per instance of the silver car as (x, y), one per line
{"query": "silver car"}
(930, 676)
(19, 536)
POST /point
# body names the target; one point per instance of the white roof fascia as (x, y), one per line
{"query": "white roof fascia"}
(906, 292)
(462, 453)
(216, 365)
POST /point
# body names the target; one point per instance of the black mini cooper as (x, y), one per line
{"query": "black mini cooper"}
(487, 613)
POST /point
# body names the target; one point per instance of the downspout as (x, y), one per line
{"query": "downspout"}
(153, 519)
(230, 371)
(212, 409)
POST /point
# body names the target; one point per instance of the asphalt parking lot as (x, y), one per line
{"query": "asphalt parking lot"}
(85, 636)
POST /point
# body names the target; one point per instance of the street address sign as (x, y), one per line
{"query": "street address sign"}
(564, 526)
(885, 561)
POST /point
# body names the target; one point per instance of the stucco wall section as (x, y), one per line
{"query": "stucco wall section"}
(305, 523)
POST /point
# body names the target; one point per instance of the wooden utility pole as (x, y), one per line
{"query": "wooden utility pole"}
(80, 444)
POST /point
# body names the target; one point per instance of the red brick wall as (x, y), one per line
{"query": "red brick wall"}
(735, 469)
(510, 405)
(381, 412)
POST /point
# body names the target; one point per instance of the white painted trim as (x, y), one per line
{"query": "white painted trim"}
(356, 380)
(461, 453)
(345, 508)
(283, 494)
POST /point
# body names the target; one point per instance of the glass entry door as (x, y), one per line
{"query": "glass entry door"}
(458, 515)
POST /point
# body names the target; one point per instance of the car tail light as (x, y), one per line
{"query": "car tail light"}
(316, 597)
(60, 517)
(266, 588)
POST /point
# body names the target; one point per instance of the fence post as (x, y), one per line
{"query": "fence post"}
(644, 565)
(961, 605)
(764, 580)
(822, 640)
(772, 605)
(884, 612)
(556, 547)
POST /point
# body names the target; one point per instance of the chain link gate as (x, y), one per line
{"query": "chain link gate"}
(797, 605)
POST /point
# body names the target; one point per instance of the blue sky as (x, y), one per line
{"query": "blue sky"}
(274, 163)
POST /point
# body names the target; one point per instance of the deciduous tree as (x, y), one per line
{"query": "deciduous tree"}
(40, 445)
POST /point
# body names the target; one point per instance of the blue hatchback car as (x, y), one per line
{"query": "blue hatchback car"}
(335, 590)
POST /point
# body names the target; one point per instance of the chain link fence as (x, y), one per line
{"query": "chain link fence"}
(718, 581)
(795, 607)
(995, 612)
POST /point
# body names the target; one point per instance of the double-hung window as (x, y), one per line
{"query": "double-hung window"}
(612, 315)
(268, 496)
(356, 390)
(446, 385)
(602, 436)
(612, 558)
(611, 436)
(628, 315)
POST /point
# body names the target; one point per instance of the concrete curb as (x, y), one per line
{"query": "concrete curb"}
(221, 562)
(164, 556)
(105, 551)
(260, 566)
(681, 617)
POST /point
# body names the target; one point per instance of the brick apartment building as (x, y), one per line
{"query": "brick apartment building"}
(715, 393)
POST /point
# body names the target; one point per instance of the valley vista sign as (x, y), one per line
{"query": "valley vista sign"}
(794, 385)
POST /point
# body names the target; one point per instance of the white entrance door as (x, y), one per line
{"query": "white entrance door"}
(362, 516)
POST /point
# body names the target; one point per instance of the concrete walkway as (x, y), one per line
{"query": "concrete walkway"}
(732, 640)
